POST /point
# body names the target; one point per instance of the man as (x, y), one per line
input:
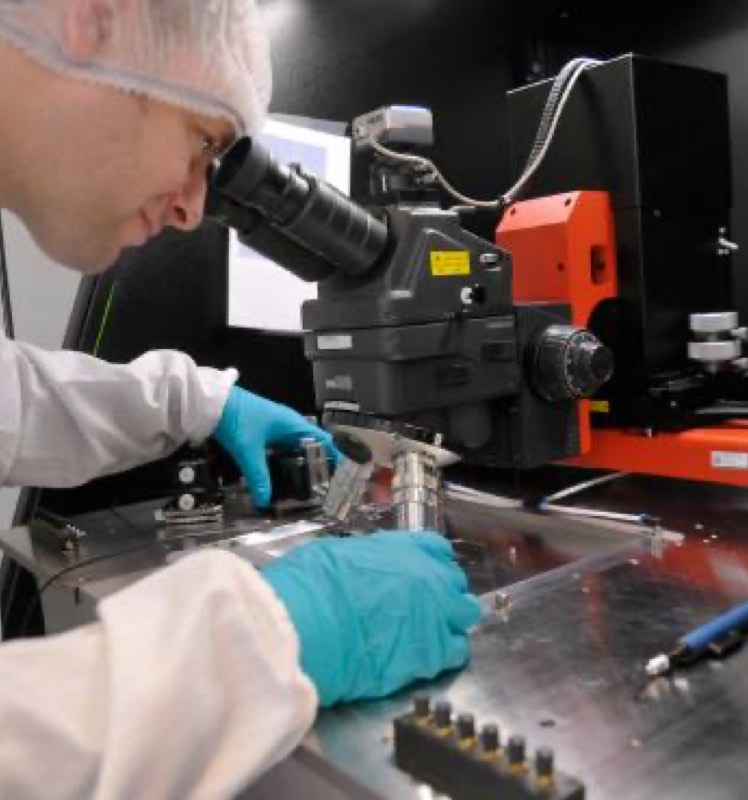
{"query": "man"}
(199, 678)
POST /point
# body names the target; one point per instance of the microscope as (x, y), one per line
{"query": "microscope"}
(419, 350)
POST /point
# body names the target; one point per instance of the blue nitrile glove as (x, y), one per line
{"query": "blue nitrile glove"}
(250, 424)
(374, 613)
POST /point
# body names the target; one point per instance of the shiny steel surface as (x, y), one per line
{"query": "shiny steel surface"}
(126, 543)
(562, 659)
(574, 611)
(347, 487)
(385, 445)
(564, 667)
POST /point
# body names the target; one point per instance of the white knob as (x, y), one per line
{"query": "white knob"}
(187, 475)
(186, 502)
(714, 322)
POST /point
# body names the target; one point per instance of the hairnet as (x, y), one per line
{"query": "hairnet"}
(210, 56)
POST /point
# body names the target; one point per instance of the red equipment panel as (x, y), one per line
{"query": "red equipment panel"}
(563, 249)
(718, 454)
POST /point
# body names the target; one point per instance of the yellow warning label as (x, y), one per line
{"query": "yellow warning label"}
(600, 406)
(450, 262)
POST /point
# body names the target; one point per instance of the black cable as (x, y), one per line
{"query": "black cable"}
(9, 591)
(9, 328)
(5, 300)
(16, 571)
(37, 599)
(554, 107)
(549, 111)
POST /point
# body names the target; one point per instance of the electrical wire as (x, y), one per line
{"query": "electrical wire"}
(594, 513)
(9, 329)
(37, 599)
(550, 110)
(510, 196)
(555, 104)
(50, 518)
(5, 300)
(577, 488)
(459, 492)
(430, 168)
(9, 593)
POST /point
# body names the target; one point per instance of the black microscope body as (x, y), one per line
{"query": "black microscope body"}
(415, 332)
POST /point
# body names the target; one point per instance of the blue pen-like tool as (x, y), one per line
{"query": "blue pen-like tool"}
(718, 635)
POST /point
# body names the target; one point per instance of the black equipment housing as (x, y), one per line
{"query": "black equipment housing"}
(656, 136)
(399, 343)
(415, 322)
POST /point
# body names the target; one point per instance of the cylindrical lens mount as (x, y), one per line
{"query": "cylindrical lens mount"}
(303, 209)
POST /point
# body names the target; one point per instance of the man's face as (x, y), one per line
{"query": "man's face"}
(113, 170)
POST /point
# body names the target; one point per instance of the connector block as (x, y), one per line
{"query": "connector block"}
(466, 764)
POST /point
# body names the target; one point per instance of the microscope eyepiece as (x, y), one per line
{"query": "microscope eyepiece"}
(314, 230)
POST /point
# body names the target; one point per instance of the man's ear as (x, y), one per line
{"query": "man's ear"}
(88, 27)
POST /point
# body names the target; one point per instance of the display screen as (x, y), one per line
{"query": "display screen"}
(262, 295)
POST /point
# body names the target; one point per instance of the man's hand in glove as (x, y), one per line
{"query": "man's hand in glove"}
(250, 424)
(376, 612)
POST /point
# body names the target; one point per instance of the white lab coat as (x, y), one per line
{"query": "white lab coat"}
(188, 686)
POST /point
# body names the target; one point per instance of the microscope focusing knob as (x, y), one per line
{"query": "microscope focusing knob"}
(475, 295)
(569, 363)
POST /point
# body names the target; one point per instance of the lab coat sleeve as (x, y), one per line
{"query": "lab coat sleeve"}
(187, 688)
(66, 417)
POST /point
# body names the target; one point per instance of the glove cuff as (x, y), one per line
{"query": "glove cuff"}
(317, 627)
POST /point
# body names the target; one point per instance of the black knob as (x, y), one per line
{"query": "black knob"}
(489, 738)
(466, 726)
(443, 714)
(352, 447)
(474, 295)
(421, 706)
(544, 762)
(567, 363)
(515, 750)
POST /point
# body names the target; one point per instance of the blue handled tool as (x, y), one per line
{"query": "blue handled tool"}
(719, 636)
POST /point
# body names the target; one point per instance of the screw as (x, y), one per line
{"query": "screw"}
(443, 715)
(502, 601)
(544, 762)
(466, 727)
(515, 750)
(490, 739)
(422, 706)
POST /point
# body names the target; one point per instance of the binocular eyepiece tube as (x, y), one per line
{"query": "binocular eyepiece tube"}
(303, 223)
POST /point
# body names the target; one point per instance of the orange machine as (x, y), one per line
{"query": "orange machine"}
(563, 250)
